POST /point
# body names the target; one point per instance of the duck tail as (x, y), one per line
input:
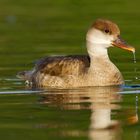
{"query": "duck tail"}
(25, 75)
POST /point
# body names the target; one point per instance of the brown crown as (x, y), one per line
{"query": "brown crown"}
(106, 26)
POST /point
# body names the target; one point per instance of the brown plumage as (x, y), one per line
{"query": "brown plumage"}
(106, 25)
(56, 66)
(63, 65)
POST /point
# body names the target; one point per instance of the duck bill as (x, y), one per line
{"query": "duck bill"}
(120, 43)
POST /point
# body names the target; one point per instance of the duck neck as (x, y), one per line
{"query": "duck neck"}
(97, 53)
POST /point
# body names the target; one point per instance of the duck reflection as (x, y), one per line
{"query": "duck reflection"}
(103, 103)
(85, 98)
(102, 125)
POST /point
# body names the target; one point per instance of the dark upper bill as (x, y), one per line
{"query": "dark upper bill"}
(122, 44)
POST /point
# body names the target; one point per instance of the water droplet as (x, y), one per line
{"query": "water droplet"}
(136, 78)
(135, 69)
(134, 57)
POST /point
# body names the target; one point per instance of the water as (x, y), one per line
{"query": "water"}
(85, 113)
(33, 29)
(135, 67)
(89, 113)
(134, 57)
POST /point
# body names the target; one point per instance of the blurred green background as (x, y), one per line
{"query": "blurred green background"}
(31, 29)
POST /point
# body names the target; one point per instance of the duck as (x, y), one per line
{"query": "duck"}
(72, 71)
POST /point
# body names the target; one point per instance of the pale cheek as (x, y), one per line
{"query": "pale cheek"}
(110, 37)
(95, 36)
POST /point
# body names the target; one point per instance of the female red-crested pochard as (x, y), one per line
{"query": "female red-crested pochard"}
(94, 69)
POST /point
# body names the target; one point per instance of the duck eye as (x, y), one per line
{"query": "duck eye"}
(106, 31)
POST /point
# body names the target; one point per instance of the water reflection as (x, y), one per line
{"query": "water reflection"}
(104, 103)
(86, 98)
(97, 113)
(102, 125)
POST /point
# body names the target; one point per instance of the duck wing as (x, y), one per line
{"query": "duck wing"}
(62, 65)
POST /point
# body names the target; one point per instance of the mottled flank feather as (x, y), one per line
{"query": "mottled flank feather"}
(49, 70)
(63, 65)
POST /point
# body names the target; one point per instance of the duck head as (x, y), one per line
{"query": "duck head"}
(104, 34)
